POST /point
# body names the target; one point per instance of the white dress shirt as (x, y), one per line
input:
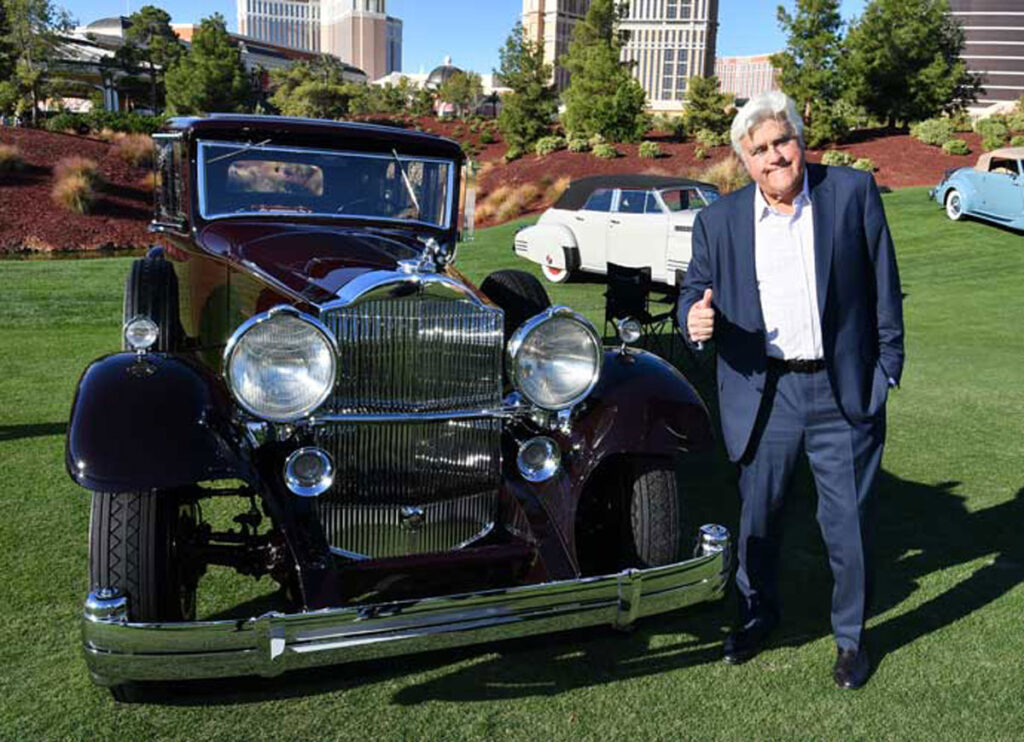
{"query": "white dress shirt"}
(784, 260)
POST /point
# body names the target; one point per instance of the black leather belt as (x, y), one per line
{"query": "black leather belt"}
(796, 366)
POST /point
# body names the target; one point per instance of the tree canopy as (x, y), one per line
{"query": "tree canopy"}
(603, 97)
(211, 77)
(463, 90)
(149, 40)
(809, 66)
(31, 38)
(903, 61)
(315, 89)
(527, 111)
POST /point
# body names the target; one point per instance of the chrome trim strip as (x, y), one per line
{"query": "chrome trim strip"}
(117, 651)
(450, 185)
(502, 413)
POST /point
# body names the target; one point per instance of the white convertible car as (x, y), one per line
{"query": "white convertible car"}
(629, 220)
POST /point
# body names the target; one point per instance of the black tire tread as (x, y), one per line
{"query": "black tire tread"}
(654, 515)
(520, 294)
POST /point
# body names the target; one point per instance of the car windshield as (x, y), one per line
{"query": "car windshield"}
(238, 178)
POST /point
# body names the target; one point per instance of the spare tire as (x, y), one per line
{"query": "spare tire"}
(151, 290)
(519, 294)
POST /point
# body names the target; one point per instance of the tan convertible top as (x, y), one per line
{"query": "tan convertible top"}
(1008, 153)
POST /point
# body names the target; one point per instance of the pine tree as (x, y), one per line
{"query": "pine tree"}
(150, 40)
(706, 108)
(6, 52)
(809, 66)
(903, 61)
(602, 97)
(527, 111)
(33, 26)
(315, 89)
(211, 77)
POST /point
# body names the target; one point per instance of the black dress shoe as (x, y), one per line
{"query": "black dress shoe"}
(744, 644)
(852, 668)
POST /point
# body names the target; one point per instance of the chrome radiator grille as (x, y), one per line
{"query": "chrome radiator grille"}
(416, 354)
(413, 486)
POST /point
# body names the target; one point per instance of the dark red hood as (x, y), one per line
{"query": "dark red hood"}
(314, 260)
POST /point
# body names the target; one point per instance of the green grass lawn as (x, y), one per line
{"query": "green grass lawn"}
(947, 637)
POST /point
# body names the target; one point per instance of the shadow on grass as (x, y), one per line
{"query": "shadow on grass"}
(37, 430)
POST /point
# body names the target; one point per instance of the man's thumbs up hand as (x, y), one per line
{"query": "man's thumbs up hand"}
(700, 322)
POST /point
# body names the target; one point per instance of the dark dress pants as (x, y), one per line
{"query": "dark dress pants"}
(798, 414)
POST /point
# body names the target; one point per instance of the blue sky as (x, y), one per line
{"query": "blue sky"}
(471, 31)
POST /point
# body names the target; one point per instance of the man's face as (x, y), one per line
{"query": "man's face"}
(775, 160)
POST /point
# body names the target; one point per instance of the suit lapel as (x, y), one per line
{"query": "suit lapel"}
(824, 204)
(743, 240)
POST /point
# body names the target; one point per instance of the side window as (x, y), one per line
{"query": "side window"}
(600, 200)
(169, 207)
(1003, 166)
(632, 202)
(651, 205)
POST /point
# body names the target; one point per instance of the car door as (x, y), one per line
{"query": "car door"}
(682, 205)
(636, 232)
(590, 226)
(1003, 190)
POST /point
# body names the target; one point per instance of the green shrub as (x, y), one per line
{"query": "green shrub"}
(579, 144)
(547, 145)
(992, 140)
(837, 157)
(993, 128)
(513, 153)
(595, 140)
(708, 139)
(864, 163)
(67, 122)
(699, 152)
(605, 151)
(1015, 121)
(956, 147)
(650, 150)
(935, 132)
(1017, 141)
(962, 121)
(486, 137)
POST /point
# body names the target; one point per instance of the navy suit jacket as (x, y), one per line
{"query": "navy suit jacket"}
(858, 296)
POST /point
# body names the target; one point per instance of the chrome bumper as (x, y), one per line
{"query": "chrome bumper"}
(117, 651)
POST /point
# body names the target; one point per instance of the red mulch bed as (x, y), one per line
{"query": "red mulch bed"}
(29, 219)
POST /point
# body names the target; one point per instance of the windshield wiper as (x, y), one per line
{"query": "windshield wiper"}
(240, 150)
(407, 182)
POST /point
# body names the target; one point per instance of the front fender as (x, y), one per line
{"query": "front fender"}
(151, 422)
(642, 406)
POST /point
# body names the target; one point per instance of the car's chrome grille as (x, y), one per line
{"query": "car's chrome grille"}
(413, 486)
(416, 353)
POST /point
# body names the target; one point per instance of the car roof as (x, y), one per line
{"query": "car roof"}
(317, 132)
(579, 190)
(1009, 153)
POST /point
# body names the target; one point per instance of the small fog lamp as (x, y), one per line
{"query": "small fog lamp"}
(629, 330)
(538, 459)
(140, 333)
(308, 472)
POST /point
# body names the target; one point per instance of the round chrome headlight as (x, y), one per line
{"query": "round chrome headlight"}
(555, 358)
(280, 365)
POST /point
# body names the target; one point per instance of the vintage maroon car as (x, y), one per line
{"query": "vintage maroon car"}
(417, 462)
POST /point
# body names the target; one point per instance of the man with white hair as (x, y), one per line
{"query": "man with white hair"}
(794, 278)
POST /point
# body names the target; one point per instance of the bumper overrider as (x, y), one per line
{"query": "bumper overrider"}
(117, 651)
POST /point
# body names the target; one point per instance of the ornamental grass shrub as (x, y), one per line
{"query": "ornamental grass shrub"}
(553, 189)
(837, 157)
(650, 150)
(956, 147)
(578, 144)
(135, 149)
(726, 175)
(81, 166)
(936, 131)
(605, 151)
(707, 139)
(75, 192)
(10, 159)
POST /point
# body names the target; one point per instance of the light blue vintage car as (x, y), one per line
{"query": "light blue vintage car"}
(992, 190)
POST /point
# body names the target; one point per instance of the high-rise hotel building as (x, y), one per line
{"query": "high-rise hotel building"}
(359, 32)
(994, 45)
(669, 41)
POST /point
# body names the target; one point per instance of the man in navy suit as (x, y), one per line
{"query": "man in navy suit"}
(794, 277)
